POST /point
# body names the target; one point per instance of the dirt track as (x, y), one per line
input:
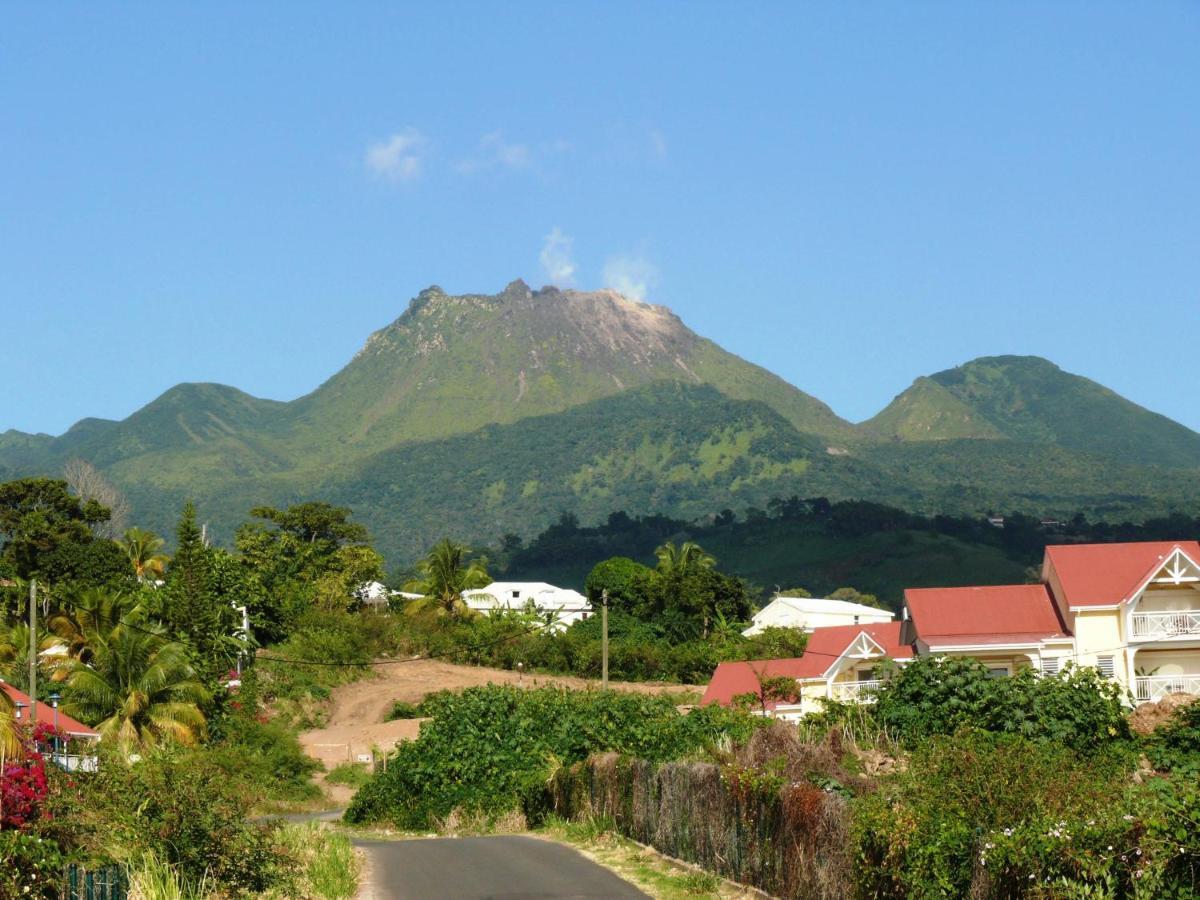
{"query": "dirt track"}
(356, 725)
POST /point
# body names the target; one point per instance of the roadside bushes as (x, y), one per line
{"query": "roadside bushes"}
(492, 749)
(928, 829)
(179, 806)
(262, 758)
(936, 695)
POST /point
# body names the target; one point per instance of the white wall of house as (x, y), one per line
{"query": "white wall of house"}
(808, 613)
(565, 605)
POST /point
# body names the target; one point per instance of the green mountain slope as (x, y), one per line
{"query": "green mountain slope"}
(1029, 399)
(927, 411)
(665, 447)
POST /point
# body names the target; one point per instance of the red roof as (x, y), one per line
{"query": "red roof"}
(825, 646)
(46, 714)
(1106, 574)
(1003, 614)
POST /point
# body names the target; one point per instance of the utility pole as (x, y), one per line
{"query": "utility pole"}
(604, 638)
(33, 652)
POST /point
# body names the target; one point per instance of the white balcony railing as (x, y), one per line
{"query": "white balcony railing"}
(1154, 687)
(855, 691)
(1153, 626)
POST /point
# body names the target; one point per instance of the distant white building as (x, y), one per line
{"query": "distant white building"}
(377, 596)
(808, 613)
(563, 604)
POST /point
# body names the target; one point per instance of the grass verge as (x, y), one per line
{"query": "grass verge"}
(659, 876)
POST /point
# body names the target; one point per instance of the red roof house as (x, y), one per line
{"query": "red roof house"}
(47, 714)
(831, 666)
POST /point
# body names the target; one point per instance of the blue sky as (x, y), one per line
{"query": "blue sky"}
(850, 195)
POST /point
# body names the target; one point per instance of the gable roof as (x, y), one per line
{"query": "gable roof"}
(825, 647)
(45, 713)
(968, 616)
(1107, 574)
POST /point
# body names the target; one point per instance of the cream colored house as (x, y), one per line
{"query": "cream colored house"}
(1130, 610)
(810, 613)
(841, 662)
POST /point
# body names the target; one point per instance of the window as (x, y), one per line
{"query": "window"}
(1106, 666)
(997, 671)
(516, 595)
(1051, 666)
(867, 675)
(856, 620)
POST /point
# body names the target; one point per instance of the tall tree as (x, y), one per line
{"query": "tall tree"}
(309, 553)
(194, 611)
(687, 557)
(39, 516)
(88, 483)
(444, 574)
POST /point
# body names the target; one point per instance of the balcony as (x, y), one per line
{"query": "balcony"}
(855, 691)
(1150, 688)
(1160, 626)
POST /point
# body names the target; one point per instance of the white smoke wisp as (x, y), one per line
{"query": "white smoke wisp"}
(632, 276)
(556, 257)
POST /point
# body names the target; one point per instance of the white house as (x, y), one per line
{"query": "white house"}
(809, 613)
(565, 605)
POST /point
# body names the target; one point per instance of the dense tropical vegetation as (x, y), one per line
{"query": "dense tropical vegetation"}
(144, 641)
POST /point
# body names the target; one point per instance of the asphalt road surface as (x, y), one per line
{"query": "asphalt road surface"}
(485, 868)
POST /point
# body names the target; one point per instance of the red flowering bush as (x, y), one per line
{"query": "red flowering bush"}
(23, 791)
(24, 787)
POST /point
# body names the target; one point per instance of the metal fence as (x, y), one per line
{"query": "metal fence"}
(104, 883)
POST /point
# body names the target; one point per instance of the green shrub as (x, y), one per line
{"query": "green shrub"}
(934, 695)
(402, 710)
(927, 831)
(179, 806)
(1175, 746)
(263, 758)
(31, 865)
(492, 749)
(352, 774)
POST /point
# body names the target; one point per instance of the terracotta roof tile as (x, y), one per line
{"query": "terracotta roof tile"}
(45, 713)
(1009, 613)
(1106, 574)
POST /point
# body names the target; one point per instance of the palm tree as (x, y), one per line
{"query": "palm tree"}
(139, 688)
(143, 548)
(445, 574)
(10, 740)
(14, 654)
(93, 612)
(689, 555)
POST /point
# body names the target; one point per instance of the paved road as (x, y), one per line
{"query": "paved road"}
(509, 867)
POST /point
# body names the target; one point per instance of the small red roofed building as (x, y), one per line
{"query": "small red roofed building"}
(75, 748)
(840, 662)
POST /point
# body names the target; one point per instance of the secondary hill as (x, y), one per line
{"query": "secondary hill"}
(1031, 400)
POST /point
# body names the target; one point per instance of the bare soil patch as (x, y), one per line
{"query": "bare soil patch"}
(356, 728)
